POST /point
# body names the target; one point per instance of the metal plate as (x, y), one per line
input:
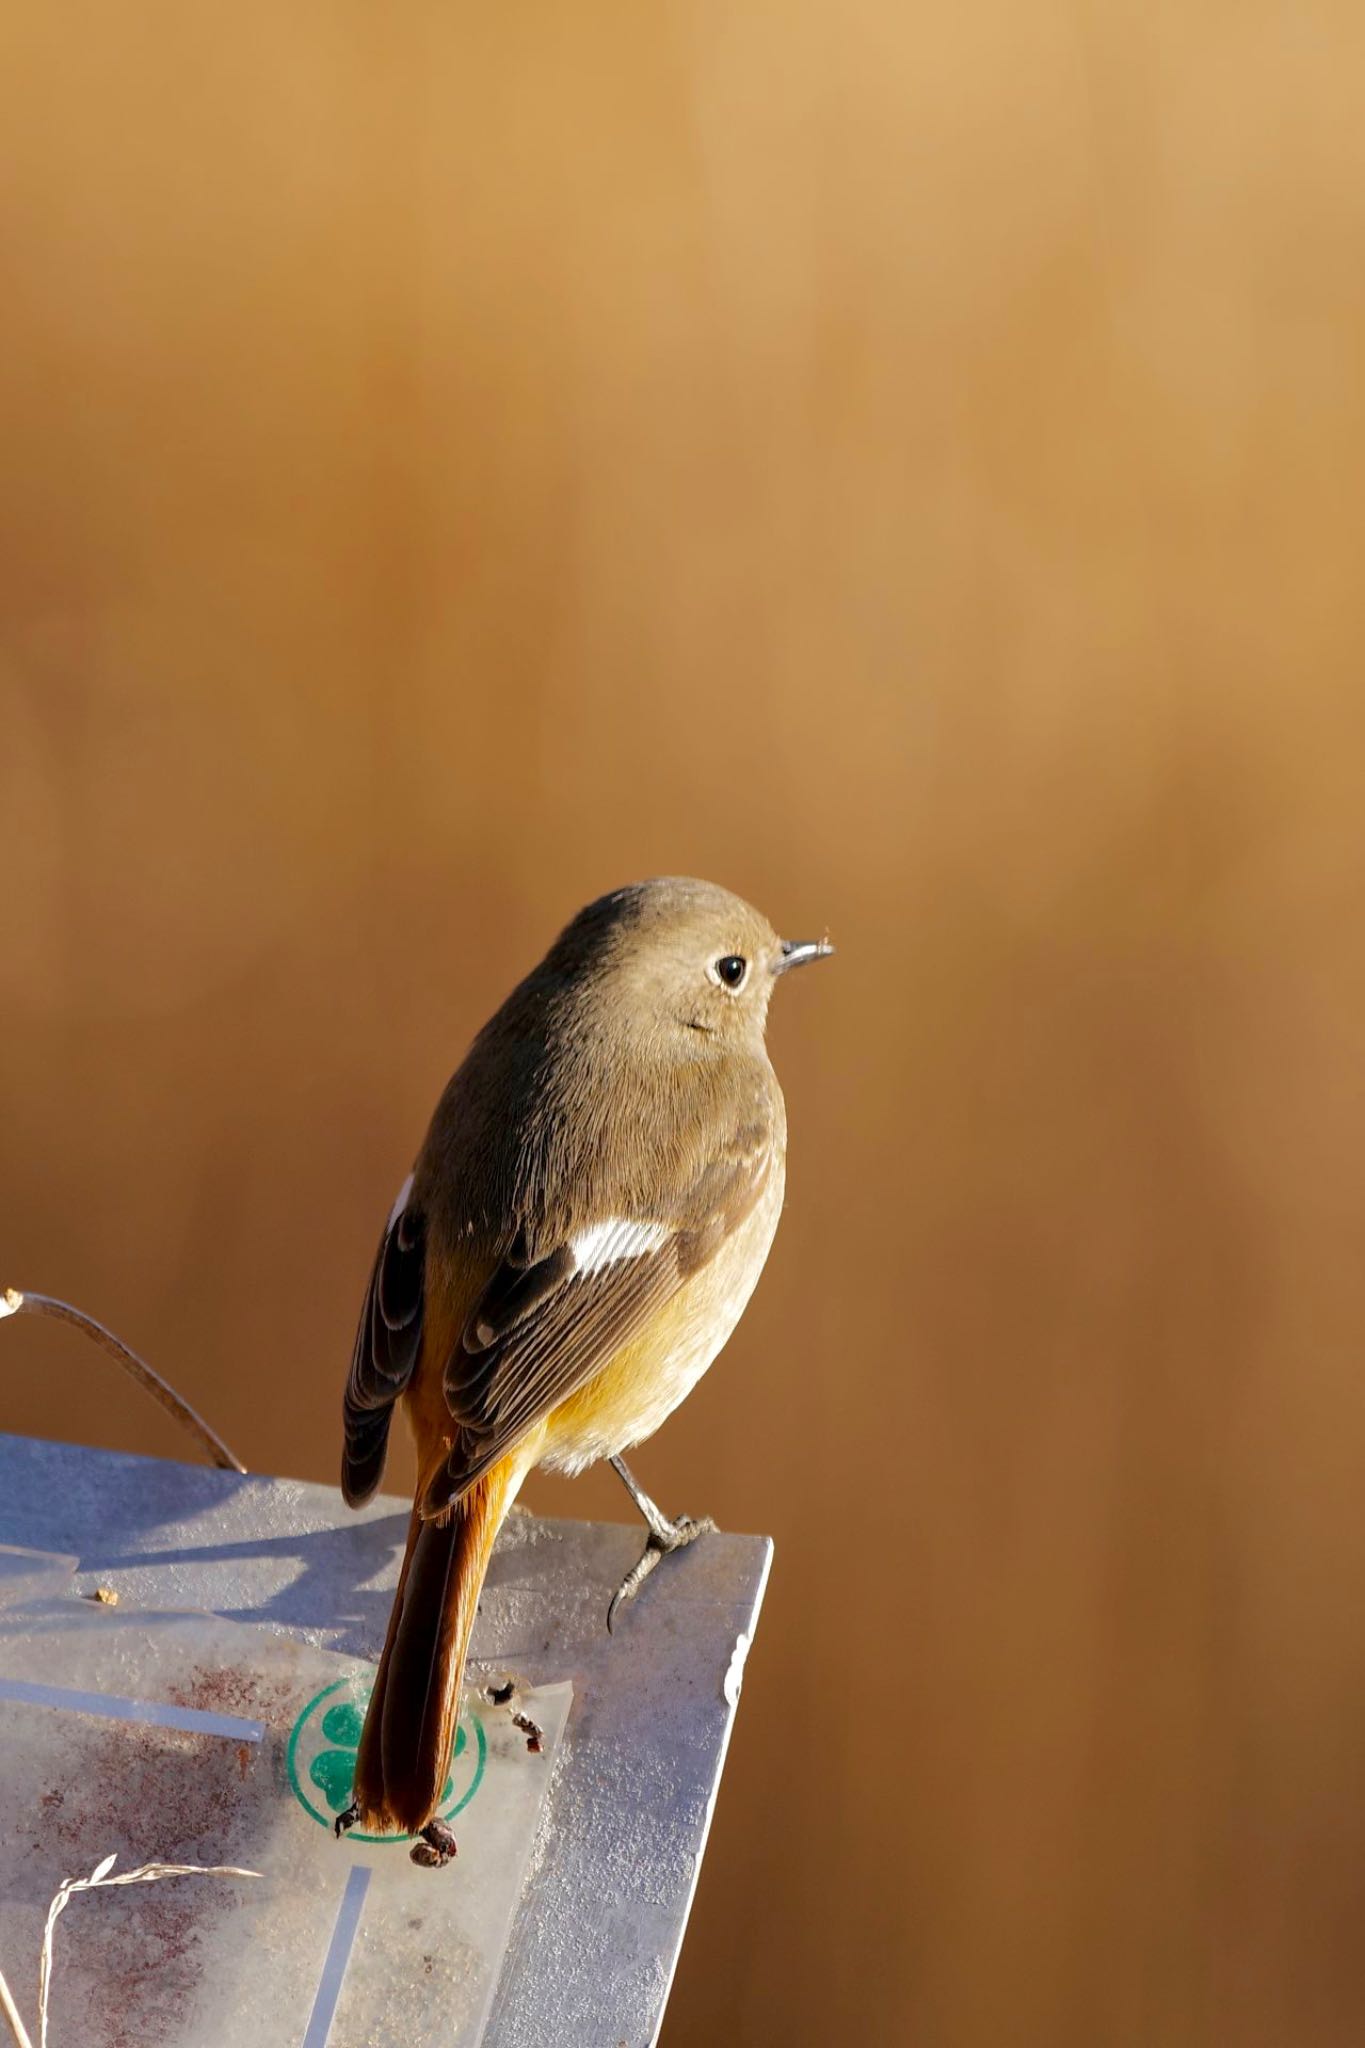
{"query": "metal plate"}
(601, 1922)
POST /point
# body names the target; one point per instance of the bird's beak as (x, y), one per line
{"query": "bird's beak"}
(796, 952)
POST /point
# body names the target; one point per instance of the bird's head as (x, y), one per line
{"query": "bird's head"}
(683, 956)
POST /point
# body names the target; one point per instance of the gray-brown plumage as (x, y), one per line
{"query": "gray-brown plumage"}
(587, 1218)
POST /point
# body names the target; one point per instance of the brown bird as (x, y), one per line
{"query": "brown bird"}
(585, 1223)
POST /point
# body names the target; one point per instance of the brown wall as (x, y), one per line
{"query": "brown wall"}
(905, 465)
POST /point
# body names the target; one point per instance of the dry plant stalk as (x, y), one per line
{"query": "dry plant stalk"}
(15, 1301)
(146, 1873)
(11, 2013)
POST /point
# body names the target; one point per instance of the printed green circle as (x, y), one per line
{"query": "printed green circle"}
(322, 1746)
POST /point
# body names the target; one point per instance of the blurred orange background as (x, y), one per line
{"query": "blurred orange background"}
(906, 466)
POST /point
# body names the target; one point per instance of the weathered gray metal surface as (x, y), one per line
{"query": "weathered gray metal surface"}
(602, 1918)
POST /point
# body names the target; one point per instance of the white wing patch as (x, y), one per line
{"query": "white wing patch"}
(602, 1244)
(402, 1202)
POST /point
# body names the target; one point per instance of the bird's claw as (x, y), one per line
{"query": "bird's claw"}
(346, 1821)
(659, 1543)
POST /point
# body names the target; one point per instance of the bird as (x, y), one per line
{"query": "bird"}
(585, 1223)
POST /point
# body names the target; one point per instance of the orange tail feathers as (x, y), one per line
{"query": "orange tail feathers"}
(414, 1709)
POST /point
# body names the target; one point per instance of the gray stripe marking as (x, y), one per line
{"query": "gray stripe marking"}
(109, 1707)
(338, 1956)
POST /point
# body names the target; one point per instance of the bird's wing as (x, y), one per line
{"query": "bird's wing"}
(387, 1344)
(544, 1326)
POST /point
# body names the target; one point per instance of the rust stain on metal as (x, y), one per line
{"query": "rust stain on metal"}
(156, 1795)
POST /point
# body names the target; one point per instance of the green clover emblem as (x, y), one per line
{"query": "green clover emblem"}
(321, 1760)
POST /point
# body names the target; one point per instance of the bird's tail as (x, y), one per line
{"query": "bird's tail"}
(414, 1709)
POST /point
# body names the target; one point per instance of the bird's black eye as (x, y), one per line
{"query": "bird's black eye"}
(732, 970)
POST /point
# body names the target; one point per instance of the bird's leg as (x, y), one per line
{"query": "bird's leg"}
(663, 1537)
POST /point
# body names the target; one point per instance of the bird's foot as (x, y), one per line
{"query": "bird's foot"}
(664, 1537)
(434, 1847)
(346, 1821)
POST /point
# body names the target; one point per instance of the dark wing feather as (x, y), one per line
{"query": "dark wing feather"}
(540, 1331)
(387, 1344)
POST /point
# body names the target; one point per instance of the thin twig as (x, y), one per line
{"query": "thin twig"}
(147, 1873)
(14, 1302)
(11, 2013)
